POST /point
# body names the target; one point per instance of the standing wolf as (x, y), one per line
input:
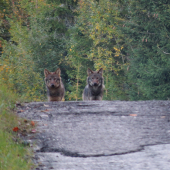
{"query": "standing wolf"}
(95, 85)
(54, 84)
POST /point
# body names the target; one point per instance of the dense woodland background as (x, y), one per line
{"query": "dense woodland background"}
(129, 39)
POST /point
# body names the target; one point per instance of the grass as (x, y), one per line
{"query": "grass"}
(13, 154)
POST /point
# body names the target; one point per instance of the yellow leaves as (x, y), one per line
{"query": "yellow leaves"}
(16, 71)
(118, 51)
(1, 68)
(4, 68)
(97, 26)
(92, 36)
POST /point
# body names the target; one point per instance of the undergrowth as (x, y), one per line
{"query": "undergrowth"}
(13, 154)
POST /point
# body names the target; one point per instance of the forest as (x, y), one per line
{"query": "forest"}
(129, 39)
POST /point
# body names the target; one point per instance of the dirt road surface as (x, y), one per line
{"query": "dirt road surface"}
(100, 135)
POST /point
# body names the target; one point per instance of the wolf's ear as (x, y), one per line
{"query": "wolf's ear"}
(100, 71)
(89, 71)
(46, 72)
(58, 72)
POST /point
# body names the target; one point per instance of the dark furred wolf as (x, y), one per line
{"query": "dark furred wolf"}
(54, 84)
(95, 85)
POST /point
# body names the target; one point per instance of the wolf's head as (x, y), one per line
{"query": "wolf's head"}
(52, 79)
(95, 78)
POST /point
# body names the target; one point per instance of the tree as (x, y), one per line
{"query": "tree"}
(96, 25)
(38, 40)
(147, 31)
(48, 34)
(78, 46)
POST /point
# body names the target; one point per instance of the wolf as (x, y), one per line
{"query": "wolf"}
(95, 85)
(54, 85)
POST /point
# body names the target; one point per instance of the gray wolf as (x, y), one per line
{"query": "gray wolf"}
(54, 85)
(95, 85)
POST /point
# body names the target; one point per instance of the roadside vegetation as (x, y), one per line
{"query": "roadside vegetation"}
(13, 154)
(129, 39)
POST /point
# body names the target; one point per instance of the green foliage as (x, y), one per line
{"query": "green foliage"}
(12, 154)
(47, 35)
(16, 63)
(38, 42)
(77, 59)
(147, 33)
(99, 41)
(17, 72)
(128, 39)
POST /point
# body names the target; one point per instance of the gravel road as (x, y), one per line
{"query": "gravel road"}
(100, 135)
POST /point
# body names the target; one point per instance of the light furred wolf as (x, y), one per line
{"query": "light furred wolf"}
(95, 85)
(54, 85)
